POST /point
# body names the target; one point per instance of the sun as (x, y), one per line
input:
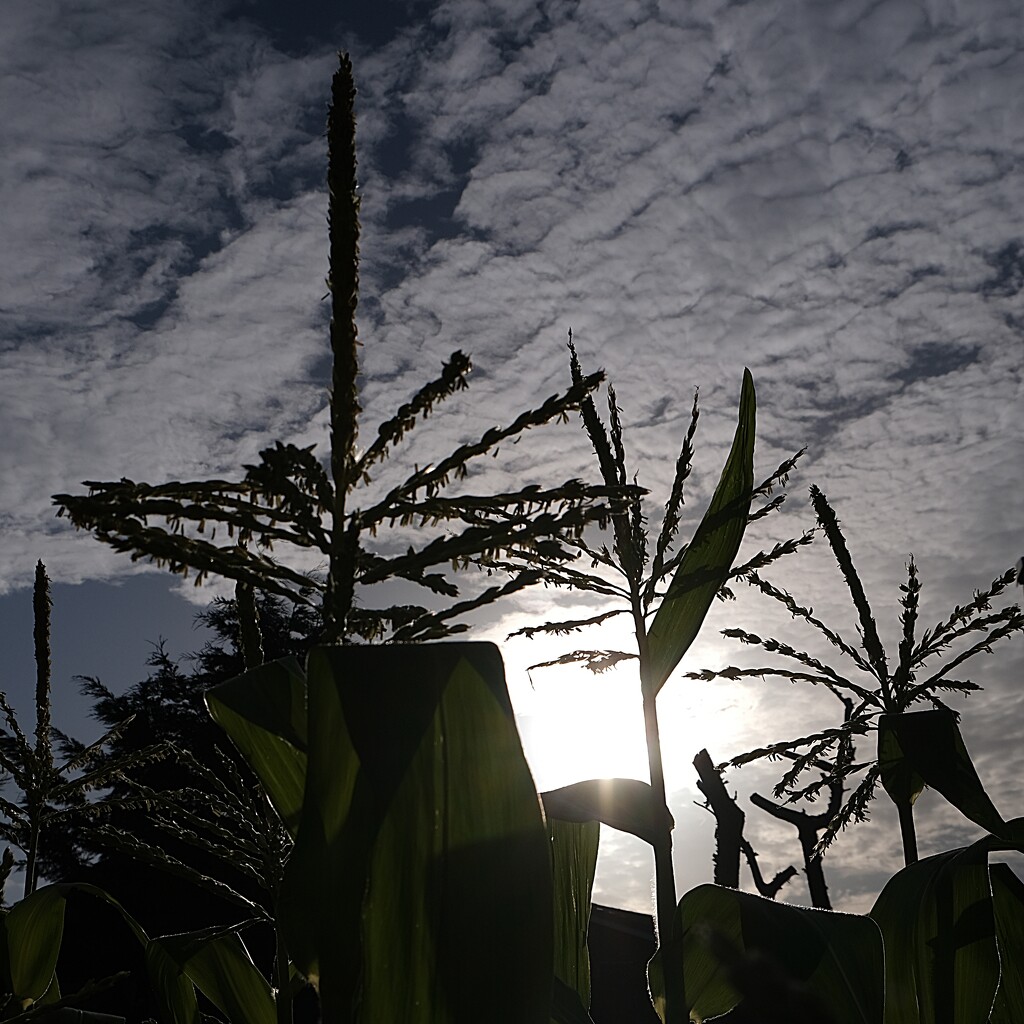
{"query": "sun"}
(577, 726)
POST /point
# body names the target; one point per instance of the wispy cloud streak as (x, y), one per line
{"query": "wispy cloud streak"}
(829, 194)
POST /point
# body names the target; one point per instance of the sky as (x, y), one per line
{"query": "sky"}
(828, 194)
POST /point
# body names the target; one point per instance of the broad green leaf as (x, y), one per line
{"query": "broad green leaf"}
(705, 565)
(219, 965)
(735, 944)
(573, 866)
(32, 932)
(34, 928)
(626, 804)
(176, 995)
(942, 959)
(264, 712)
(1008, 899)
(420, 884)
(324, 881)
(927, 745)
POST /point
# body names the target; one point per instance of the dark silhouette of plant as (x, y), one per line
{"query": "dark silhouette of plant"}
(729, 839)
(200, 814)
(52, 792)
(877, 693)
(190, 798)
(808, 829)
(667, 591)
(290, 499)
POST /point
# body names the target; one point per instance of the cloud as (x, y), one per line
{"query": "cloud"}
(821, 199)
(164, 178)
(824, 193)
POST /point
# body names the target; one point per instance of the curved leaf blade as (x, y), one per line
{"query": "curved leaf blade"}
(899, 777)
(574, 849)
(737, 945)
(32, 932)
(219, 965)
(624, 804)
(942, 956)
(1008, 899)
(264, 712)
(933, 751)
(705, 565)
(566, 1005)
(34, 928)
(422, 854)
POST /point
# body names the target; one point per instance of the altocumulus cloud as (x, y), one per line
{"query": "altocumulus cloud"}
(828, 193)
(165, 253)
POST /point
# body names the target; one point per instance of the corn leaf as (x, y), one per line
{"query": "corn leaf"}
(942, 944)
(176, 995)
(901, 780)
(420, 884)
(1008, 899)
(566, 1006)
(709, 556)
(34, 928)
(926, 746)
(573, 866)
(219, 965)
(263, 711)
(735, 945)
(625, 804)
(32, 932)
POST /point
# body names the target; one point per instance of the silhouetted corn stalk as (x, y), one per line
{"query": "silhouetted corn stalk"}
(878, 691)
(290, 499)
(52, 793)
(671, 588)
(729, 839)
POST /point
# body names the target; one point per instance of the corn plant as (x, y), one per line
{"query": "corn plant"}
(290, 499)
(53, 795)
(874, 694)
(413, 823)
(666, 592)
(52, 792)
(202, 814)
(419, 875)
(950, 922)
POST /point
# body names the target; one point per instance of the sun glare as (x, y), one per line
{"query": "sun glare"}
(584, 727)
(576, 725)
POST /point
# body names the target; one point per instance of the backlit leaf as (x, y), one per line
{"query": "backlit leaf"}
(1008, 900)
(942, 958)
(574, 863)
(625, 804)
(797, 960)
(264, 712)
(933, 751)
(219, 965)
(420, 884)
(710, 554)
(32, 932)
